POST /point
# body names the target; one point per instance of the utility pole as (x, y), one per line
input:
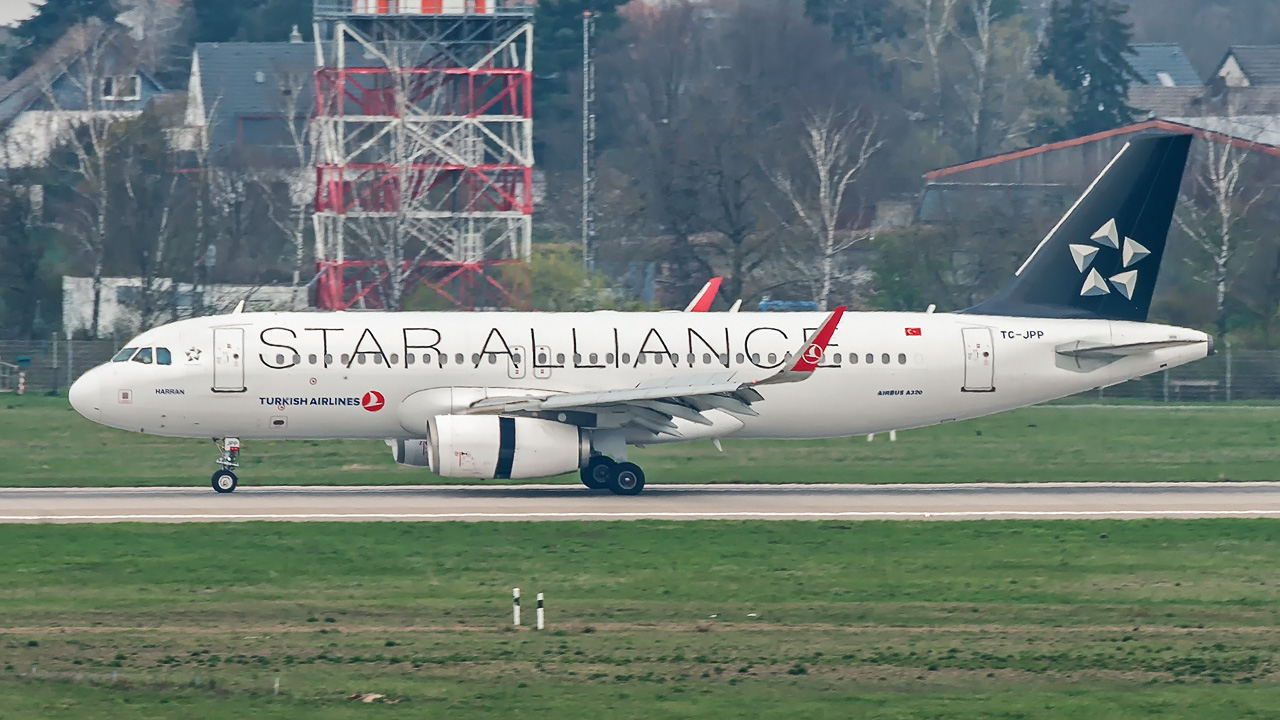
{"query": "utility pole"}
(588, 140)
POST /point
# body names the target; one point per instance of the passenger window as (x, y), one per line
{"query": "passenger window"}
(594, 358)
(870, 358)
(346, 359)
(853, 358)
(642, 359)
(626, 358)
(459, 359)
(124, 355)
(409, 358)
(657, 359)
(328, 359)
(559, 358)
(475, 358)
(143, 356)
(377, 359)
(312, 358)
(706, 358)
(902, 358)
(608, 358)
(755, 358)
(577, 358)
(493, 358)
(163, 357)
(360, 358)
(515, 359)
(724, 359)
(542, 358)
(837, 358)
(773, 358)
(279, 359)
(740, 358)
(884, 358)
(297, 359)
(395, 359)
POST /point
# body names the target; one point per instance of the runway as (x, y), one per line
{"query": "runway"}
(660, 502)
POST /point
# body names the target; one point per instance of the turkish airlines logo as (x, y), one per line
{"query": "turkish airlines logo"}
(812, 354)
(373, 401)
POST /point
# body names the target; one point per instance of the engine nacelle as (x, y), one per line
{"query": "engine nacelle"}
(411, 452)
(489, 447)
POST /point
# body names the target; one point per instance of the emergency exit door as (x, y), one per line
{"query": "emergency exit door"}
(228, 360)
(979, 360)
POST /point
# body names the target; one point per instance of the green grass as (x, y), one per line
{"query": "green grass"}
(45, 443)
(649, 619)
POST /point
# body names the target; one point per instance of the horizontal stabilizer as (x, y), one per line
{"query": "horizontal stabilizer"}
(1083, 349)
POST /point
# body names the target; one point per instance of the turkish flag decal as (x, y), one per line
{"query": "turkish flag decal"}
(913, 331)
(373, 401)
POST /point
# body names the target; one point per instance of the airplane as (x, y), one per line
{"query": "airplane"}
(508, 395)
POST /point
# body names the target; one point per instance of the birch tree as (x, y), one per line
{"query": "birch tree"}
(291, 211)
(936, 19)
(86, 132)
(837, 150)
(1216, 214)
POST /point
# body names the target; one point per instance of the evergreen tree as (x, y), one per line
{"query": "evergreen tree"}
(1084, 49)
(51, 21)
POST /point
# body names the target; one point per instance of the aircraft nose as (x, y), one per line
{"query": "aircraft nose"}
(86, 395)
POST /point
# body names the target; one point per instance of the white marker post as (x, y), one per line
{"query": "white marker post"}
(539, 611)
(893, 436)
(515, 606)
(22, 383)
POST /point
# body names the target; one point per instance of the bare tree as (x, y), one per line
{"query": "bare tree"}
(290, 211)
(936, 19)
(86, 132)
(838, 150)
(1214, 218)
(980, 48)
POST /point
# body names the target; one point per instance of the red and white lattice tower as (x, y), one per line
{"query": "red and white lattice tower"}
(423, 149)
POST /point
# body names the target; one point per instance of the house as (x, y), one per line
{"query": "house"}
(120, 298)
(87, 74)
(1250, 66)
(242, 97)
(1164, 65)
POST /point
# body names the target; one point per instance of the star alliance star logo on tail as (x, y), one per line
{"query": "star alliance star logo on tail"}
(1108, 239)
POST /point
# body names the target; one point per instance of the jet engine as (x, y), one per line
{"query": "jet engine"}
(487, 446)
(411, 452)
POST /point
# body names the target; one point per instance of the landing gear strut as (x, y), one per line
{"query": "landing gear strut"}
(225, 481)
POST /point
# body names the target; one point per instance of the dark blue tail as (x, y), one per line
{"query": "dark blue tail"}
(1102, 258)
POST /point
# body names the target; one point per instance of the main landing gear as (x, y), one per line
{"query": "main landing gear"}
(604, 472)
(225, 481)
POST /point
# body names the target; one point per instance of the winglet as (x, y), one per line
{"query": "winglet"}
(702, 301)
(810, 353)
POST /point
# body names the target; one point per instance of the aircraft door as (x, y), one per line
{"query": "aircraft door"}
(517, 361)
(979, 360)
(228, 360)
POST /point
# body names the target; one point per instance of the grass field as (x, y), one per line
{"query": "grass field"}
(43, 442)
(1170, 619)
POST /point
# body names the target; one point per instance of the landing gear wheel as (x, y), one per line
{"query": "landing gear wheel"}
(597, 472)
(627, 479)
(225, 481)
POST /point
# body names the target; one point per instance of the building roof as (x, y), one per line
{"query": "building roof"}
(1215, 99)
(246, 79)
(1160, 64)
(1255, 129)
(1260, 63)
(1257, 134)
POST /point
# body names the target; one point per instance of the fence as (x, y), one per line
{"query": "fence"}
(1229, 375)
(51, 364)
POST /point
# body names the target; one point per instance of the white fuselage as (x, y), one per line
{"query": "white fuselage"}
(348, 375)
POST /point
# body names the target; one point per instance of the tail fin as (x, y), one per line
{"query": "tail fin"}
(1102, 258)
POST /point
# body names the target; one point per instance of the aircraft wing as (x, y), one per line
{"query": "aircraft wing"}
(653, 404)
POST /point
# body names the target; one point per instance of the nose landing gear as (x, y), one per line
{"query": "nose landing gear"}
(225, 481)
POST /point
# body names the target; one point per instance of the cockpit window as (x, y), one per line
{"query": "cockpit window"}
(163, 357)
(124, 355)
(143, 356)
